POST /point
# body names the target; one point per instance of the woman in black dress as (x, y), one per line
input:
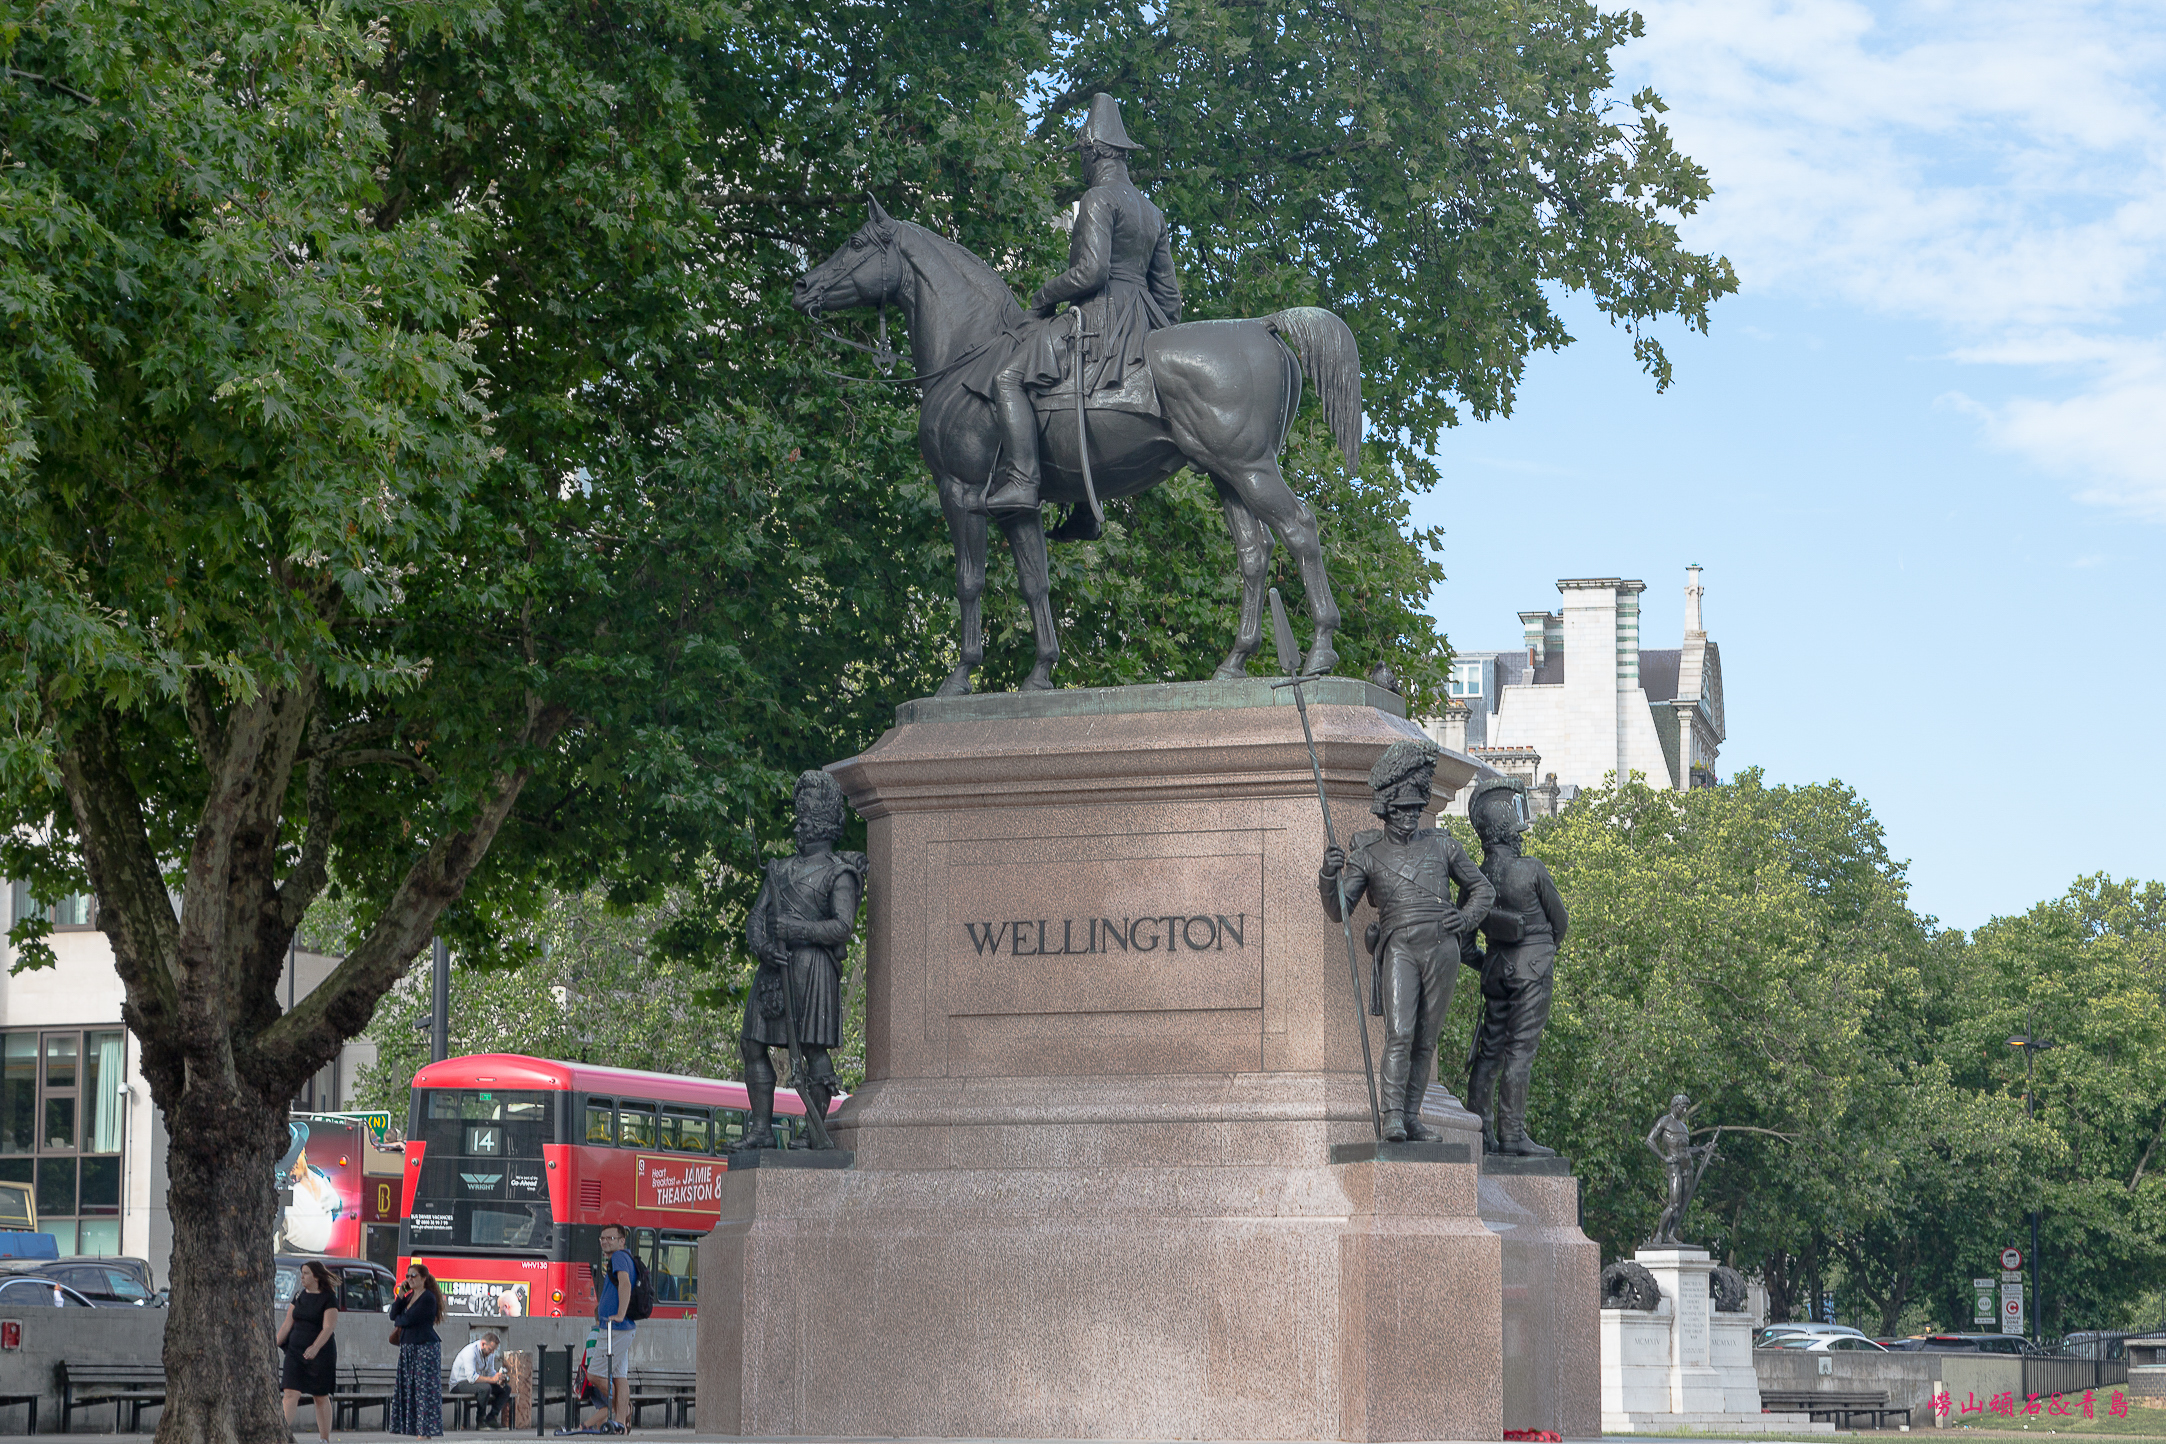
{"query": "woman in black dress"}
(417, 1394)
(309, 1340)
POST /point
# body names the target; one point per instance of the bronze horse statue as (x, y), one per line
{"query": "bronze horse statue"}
(1227, 392)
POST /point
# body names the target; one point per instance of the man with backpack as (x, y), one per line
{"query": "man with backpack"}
(625, 1297)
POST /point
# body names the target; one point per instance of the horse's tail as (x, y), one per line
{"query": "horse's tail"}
(1332, 359)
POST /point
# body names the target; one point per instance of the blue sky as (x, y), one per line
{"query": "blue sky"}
(1922, 456)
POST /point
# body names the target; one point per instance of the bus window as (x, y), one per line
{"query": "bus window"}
(486, 1123)
(685, 1129)
(665, 1130)
(601, 1121)
(729, 1128)
(676, 1269)
(635, 1125)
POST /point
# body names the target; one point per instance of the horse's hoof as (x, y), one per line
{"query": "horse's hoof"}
(1320, 662)
(1039, 681)
(1233, 669)
(957, 685)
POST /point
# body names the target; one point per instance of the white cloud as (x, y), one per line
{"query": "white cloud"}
(1992, 167)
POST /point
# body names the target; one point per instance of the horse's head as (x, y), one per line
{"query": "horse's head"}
(866, 271)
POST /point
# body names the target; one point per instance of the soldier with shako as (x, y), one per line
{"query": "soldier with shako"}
(1523, 930)
(1407, 871)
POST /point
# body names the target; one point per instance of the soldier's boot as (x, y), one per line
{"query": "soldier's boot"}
(1394, 1125)
(1512, 1116)
(1482, 1098)
(1417, 1092)
(760, 1089)
(1015, 478)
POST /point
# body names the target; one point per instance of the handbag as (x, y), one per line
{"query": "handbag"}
(398, 1335)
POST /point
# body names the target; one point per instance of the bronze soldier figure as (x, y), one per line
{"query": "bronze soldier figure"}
(1671, 1141)
(1523, 929)
(1407, 871)
(1120, 273)
(799, 930)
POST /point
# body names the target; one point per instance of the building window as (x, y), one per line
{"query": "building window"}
(1466, 680)
(61, 1111)
(76, 911)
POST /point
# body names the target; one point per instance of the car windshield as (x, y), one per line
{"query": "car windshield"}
(286, 1285)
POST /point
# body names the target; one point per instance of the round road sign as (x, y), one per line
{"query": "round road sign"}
(2013, 1308)
(2011, 1258)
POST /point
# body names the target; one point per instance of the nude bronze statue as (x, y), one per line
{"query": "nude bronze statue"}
(1671, 1141)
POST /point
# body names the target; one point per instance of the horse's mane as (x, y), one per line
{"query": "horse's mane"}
(986, 284)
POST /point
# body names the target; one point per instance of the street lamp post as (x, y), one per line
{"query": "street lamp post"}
(2032, 1045)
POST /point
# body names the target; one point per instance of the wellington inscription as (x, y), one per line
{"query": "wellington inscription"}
(1032, 937)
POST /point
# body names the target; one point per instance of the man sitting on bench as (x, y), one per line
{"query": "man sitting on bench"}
(479, 1372)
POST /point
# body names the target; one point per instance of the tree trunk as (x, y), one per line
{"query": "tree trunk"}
(221, 1378)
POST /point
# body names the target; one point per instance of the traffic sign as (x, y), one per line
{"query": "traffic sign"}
(2011, 1308)
(2011, 1258)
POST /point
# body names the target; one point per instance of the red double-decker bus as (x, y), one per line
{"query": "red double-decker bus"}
(513, 1164)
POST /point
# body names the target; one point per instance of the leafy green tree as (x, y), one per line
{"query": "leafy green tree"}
(1746, 945)
(2087, 971)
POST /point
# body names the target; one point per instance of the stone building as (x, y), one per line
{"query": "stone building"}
(1580, 699)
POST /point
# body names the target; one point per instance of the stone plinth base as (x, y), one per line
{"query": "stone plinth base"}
(1112, 1047)
(1717, 1424)
(1682, 1365)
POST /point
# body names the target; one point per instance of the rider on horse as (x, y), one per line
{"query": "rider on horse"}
(1120, 274)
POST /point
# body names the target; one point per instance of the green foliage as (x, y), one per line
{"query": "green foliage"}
(1753, 947)
(596, 992)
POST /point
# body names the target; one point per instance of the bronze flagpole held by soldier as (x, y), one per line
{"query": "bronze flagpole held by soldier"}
(1282, 636)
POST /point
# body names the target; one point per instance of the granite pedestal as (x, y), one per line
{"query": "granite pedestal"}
(1683, 1366)
(1111, 1052)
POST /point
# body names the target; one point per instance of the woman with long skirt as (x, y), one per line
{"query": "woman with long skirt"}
(417, 1395)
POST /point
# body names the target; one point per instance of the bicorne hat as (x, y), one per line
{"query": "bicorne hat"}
(1103, 124)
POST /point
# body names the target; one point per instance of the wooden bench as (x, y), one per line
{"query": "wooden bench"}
(371, 1387)
(134, 1387)
(1838, 1408)
(675, 1390)
(29, 1401)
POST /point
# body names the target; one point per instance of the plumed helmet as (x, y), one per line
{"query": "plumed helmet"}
(1103, 124)
(1495, 810)
(820, 804)
(1403, 774)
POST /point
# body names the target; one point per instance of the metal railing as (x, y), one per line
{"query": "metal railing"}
(2061, 1375)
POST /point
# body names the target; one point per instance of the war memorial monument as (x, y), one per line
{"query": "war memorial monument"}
(1119, 1168)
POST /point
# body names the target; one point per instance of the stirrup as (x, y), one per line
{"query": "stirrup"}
(1080, 525)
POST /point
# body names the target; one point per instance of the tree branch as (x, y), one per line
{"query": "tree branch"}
(309, 876)
(135, 911)
(203, 723)
(341, 1006)
(52, 84)
(2137, 1177)
(368, 756)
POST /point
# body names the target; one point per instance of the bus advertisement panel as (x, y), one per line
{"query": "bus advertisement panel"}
(321, 1174)
(513, 1164)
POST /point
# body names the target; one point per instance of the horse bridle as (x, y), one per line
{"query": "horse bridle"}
(883, 355)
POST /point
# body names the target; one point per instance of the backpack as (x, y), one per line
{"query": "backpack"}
(642, 1303)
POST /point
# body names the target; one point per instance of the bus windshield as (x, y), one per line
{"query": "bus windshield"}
(481, 1176)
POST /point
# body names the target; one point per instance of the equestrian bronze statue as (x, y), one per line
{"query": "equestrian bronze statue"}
(1018, 410)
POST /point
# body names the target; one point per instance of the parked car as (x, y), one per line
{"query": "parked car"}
(109, 1283)
(2097, 1343)
(23, 1290)
(1978, 1344)
(1773, 1331)
(363, 1287)
(1824, 1343)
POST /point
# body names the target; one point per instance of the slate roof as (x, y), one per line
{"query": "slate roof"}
(1658, 673)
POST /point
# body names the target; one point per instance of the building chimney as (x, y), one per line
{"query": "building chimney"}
(1693, 592)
